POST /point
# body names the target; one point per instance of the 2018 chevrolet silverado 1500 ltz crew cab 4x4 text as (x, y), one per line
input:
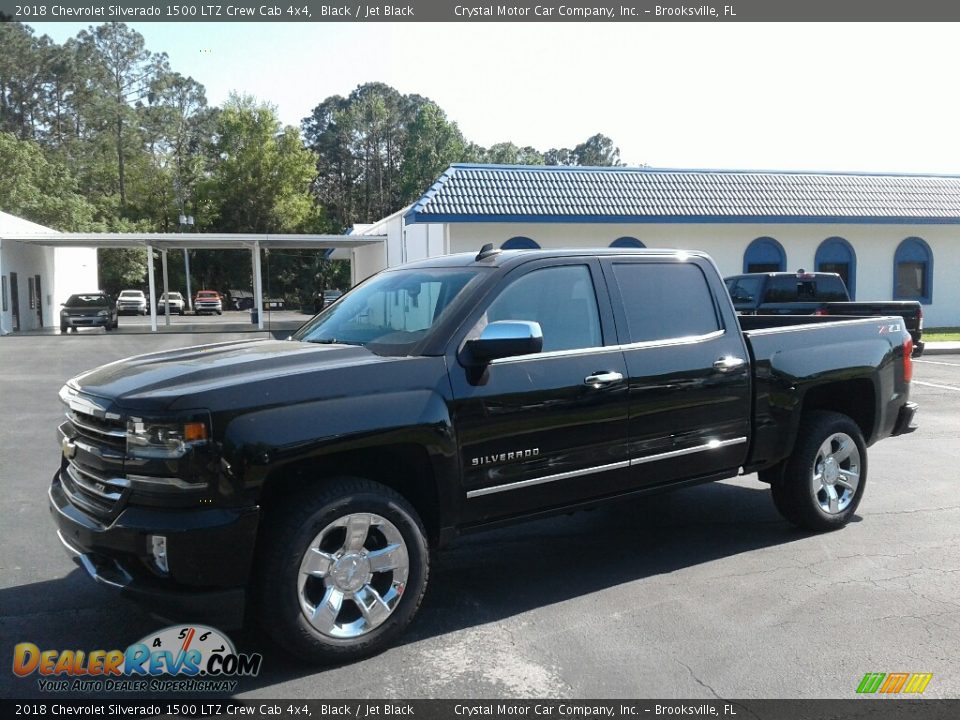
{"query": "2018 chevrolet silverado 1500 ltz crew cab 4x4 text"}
(307, 479)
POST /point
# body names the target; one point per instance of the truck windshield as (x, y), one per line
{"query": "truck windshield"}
(392, 312)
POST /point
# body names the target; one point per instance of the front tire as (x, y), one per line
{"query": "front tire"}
(824, 479)
(342, 570)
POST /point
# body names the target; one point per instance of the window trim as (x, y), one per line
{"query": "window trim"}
(835, 241)
(905, 246)
(522, 243)
(760, 242)
(3, 291)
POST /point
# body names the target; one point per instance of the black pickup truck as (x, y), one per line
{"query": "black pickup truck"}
(307, 479)
(816, 293)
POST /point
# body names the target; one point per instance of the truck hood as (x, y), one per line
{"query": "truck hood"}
(157, 380)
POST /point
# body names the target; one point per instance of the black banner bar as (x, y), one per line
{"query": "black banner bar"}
(860, 708)
(99, 11)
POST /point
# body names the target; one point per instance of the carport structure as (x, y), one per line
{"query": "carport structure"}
(339, 247)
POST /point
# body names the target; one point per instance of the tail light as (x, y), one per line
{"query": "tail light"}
(908, 360)
(920, 319)
(820, 311)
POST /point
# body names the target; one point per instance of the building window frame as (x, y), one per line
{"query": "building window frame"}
(836, 250)
(914, 251)
(765, 250)
(520, 242)
(627, 241)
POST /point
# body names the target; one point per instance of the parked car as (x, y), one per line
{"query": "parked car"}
(207, 301)
(326, 298)
(309, 478)
(95, 309)
(176, 301)
(132, 302)
(815, 293)
(240, 299)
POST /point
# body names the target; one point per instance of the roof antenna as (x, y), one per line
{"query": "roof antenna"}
(487, 251)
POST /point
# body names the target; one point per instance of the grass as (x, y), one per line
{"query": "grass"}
(941, 334)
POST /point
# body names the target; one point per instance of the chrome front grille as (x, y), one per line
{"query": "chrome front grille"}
(94, 447)
(92, 490)
(112, 433)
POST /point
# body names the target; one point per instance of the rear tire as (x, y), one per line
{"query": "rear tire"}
(341, 570)
(824, 479)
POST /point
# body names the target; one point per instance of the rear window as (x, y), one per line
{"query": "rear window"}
(817, 288)
(665, 301)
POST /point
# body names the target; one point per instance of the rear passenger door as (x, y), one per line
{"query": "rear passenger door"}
(687, 366)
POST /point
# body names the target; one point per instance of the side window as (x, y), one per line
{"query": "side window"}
(562, 299)
(665, 301)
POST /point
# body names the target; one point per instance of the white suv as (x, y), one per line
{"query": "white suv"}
(132, 301)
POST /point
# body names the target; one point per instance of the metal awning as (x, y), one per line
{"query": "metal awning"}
(340, 245)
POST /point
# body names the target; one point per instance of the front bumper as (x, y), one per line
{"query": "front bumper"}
(88, 321)
(210, 553)
(905, 419)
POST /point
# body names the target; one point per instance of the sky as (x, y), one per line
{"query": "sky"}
(868, 97)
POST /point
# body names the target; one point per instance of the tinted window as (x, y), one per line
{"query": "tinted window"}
(391, 312)
(561, 299)
(664, 301)
(744, 289)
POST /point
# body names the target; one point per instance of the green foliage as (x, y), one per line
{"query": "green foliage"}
(100, 133)
(40, 189)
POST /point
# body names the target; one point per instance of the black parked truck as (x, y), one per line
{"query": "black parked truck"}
(306, 480)
(816, 293)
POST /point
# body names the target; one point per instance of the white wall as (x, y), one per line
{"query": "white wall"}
(875, 246)
(62, 271)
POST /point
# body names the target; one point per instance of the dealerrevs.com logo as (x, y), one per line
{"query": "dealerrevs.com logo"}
(191, 658)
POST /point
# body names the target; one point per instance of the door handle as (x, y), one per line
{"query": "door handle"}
(602, 379)
(729, 362)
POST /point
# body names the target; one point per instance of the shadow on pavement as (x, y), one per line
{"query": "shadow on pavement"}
(480, 579)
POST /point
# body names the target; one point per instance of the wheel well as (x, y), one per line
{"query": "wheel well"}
(854, 398)
(403, 468)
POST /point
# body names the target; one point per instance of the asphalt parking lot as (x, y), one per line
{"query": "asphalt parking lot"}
(700, 593)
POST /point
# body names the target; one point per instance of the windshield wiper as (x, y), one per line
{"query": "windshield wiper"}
(334, 341)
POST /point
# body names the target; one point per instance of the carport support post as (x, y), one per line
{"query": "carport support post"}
(166, 289)
(153, 289)
(257, 285)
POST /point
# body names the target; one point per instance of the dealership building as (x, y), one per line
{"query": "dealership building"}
(890, 236)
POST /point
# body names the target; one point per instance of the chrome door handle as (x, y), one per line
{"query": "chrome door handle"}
(728, 362)
(599, 380)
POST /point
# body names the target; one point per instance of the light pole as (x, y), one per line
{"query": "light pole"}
(187, 221)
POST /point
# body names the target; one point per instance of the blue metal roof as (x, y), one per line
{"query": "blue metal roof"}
(535, 193)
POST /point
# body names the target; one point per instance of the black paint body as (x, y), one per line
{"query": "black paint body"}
(518, 437)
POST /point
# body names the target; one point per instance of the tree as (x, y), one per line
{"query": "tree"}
(125, 74)
(597, 150)
(40, 189)
(433, 143)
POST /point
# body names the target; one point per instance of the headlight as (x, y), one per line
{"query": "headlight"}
(147, 439)
(103, 313)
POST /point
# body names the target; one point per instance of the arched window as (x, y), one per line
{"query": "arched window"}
(764, 255)
(836, 255)
(627, 242)
(519, 242)
(913, 271)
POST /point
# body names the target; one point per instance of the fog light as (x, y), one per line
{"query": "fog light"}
(158, 548)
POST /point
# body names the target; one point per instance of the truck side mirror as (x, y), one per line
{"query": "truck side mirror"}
(506, 338)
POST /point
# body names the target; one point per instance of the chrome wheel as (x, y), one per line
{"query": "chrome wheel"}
(353, 575)
(836, 473)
